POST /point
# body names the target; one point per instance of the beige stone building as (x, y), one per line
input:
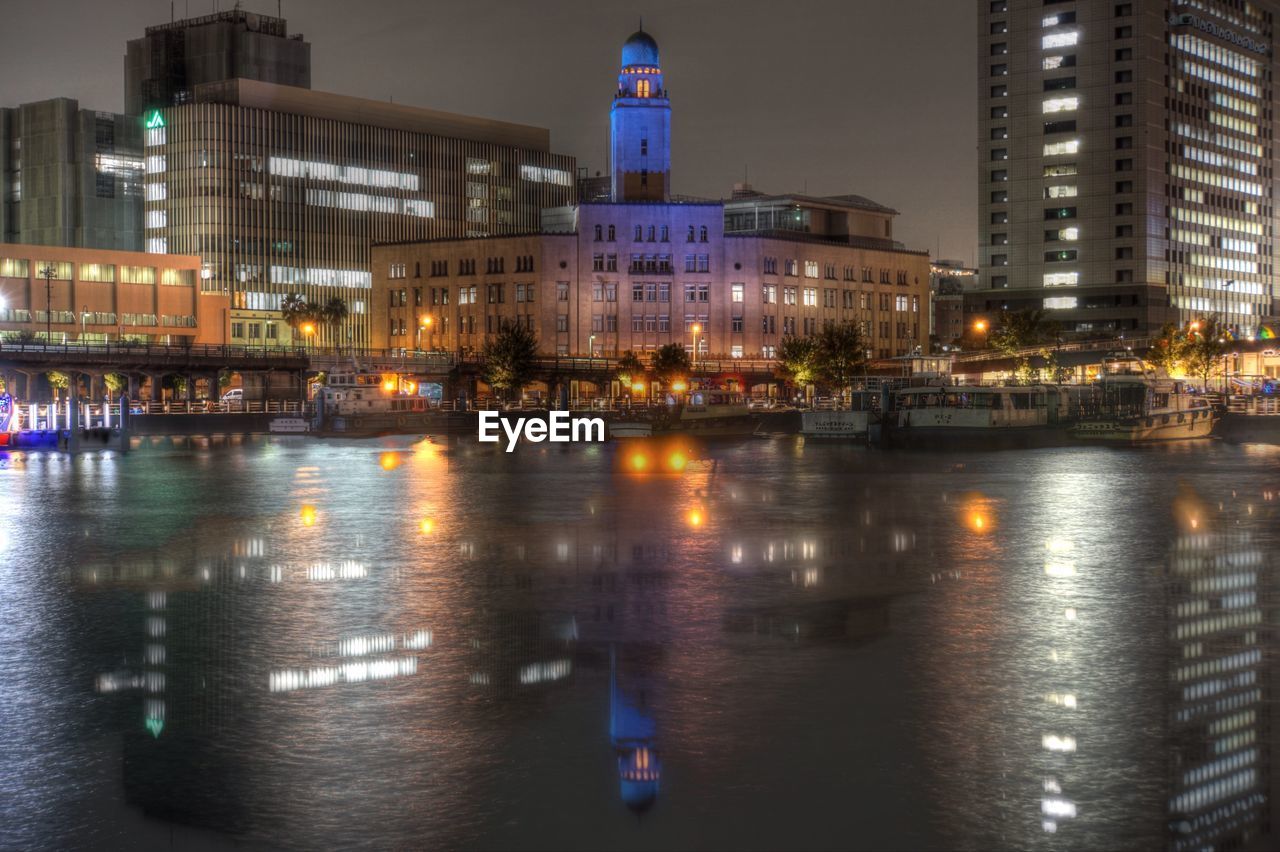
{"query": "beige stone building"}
(607, 278)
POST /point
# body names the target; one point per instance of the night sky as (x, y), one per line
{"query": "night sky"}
(863, 96)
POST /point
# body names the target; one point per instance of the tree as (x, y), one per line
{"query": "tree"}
(630, 368)
(334, 313)
(1203, 348)
(839, 355)
(59, 381)
(1021, 330)
(1167, 350)
(795, 360)
(25, 335)
(115, 382)
(295, 309)
(509, 359)
(670, 362)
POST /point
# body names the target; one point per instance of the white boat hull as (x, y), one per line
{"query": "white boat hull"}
(1180, 426)
(834, 424)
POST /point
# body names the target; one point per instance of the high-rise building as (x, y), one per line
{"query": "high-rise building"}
(164, 67)
(1127, 162)
(70, 177)
(281, 190)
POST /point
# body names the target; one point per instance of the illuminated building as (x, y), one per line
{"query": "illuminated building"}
(1126, 162)
(99, 296)
(281, 189)
(70, 177)
(645, 269)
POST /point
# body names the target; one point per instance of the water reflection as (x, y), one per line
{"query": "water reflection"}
(776, 645)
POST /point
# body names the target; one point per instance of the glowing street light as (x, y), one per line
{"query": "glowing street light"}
(980, 326)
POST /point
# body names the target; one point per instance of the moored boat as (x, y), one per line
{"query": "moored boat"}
(947, 416)
(365, 404)
(1134, 402)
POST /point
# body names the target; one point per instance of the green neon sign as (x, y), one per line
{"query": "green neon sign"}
(155, 726)
(155, 120)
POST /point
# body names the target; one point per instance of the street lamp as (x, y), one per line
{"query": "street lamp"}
(46, 272)
(309, 330)
(591, 346)
(424, 324)
(697, 329)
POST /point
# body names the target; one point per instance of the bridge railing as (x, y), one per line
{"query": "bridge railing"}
(155, 351)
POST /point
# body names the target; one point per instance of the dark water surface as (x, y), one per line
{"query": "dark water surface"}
(306, 644)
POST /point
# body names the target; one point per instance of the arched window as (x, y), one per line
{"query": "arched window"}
(599, 233)
(639, 233)
(702, 234)
(690, 233)
(612, 233)
(642, 88)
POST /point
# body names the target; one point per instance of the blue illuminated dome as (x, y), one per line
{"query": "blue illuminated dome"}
(640, 49)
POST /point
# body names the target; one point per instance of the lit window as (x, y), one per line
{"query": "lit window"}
(642, 88)
(156, 192)
(1060, 303)
(1061, 279)
(1071, 146)
(1061, 104)
(157, 218)
(1059, 40)
(1051, 62)
(1062, 191)
(155, 164)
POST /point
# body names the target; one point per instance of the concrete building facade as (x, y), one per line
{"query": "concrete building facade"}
(70, 177)
(100, 296)
(1127, 162)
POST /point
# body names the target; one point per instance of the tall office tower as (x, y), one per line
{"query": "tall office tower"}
(282, 190)
(164, 67)
(1127, 162)
(70, 177)
(640, 125)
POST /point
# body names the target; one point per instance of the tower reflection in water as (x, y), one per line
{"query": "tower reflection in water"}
(280, 680)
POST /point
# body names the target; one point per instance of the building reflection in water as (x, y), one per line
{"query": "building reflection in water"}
(1219, 725)
(289, 670)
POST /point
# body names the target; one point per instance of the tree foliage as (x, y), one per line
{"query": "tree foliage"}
(630, 368)
(839, 354)
(796, 360)
(1021, 330)
(509, 359)
(670, 362)
(1197, 349)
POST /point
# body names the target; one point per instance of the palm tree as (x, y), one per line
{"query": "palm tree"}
(295, 309)
(334, 314)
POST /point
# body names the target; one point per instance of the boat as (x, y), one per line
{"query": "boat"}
(1004, 416)
(842, 424)
(630, 429)
(359, 403)
(709, 414)
(1134, 402)
(289, 426)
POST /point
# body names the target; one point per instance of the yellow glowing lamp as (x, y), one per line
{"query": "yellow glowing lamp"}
(980, 326)
(425, 322)
(678, 461)
(638, 387)
(639, 461)
(389, 385)
(697, 328)
(308, 328)
(679, 386)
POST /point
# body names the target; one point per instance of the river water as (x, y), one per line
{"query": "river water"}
(301, 644)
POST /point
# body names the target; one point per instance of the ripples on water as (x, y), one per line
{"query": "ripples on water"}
(381, 644)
